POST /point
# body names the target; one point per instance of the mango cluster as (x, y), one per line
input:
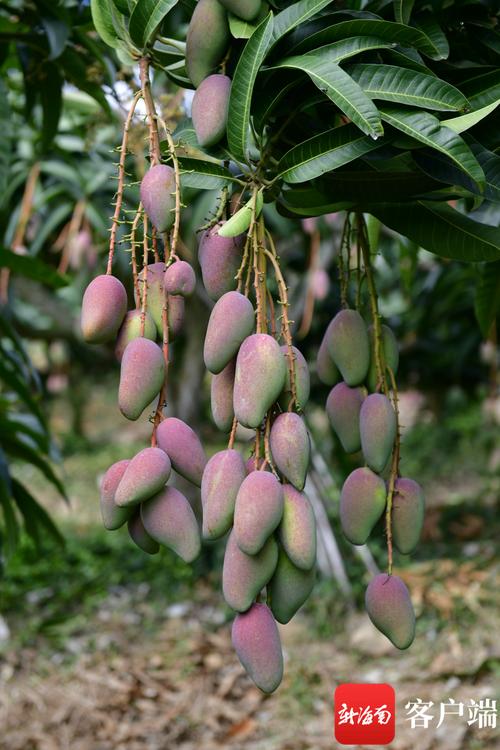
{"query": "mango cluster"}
(258, 502)
(207, 45)
(136, 492)
(365, 420)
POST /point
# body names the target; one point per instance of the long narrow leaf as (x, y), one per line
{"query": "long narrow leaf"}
(145, 19)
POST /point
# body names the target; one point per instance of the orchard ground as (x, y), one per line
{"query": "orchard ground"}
(104, 648)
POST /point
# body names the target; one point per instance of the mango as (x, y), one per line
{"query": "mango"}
(251, 464)
(207, 40)
(389, 607)
(141, 376)
(140, 536)
(209, 109)
(408, 507)
(248, 10)
(362, 502)
(377, 426)
(390, 351)
(104, 306)
(243, 576)
(289, 588)
(158, 196)
(349, 346)
(131, 329)
(221, 397)
(183, 447)
(302, 380)
(180, 279)
(146, 474)
(169, 519)
(156, 299)
(259, 378)
(112, 516)
(220, 483)
(343, 407)
(297, 531)
(290, 448)
(256, 640)
(258, 510)
(231, 321)
(326, 368)
(219, 259)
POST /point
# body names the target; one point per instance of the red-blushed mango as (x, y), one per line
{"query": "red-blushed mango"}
(302, 379)
(343, 406)
(297, 531)
(256, 640)
(112, 516)
(210, 108)
(131, 329)
(169, 520)
(231, 321)
(140, 536)
(326, 368)
(408, 507)
(389, 607)
(180, 279)
(243, 576)
(377, 426)
(158, 196)
(146, 474)
(155, 301)
(259, 378)
(290, 447)
(219, 259)
(349, 346)
(289, 588)
(390, 352)
(104, 306)
(221, 397)
(183, 447)
(258, 510)
(207, 40)
(222, 478)
(362, 502)
(248, 10)
(141, 376)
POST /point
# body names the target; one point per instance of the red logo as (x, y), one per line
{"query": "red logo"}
(365, 714)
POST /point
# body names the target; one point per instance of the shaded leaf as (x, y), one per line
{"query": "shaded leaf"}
(204, 175)
(146, 16)
(487, 300)
(34, 515)
(294, 15)
(402, 10)
(32, 268)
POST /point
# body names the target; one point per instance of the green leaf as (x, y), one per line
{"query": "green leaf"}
(51, 99)
(428, 24)
(402, 10)
(242, 88)
(32, 268)
(442, 230)
(482, 90)
(58, 34)
(18, 386)
(343, 49)
(241, 29)
(123, 6)
(203, 175)
(394, 84)
(396, 33)
(10, 520)
(6, 135)
(102, 17)
(465, 122)
(487, 301)
(34, 515)
(295, 15)
(145, 19)
(323, 153)
(340, 88)
(490, 163)
(24, 452)
(427, 129)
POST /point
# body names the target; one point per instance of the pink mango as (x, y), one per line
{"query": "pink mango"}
(231, 321)
(243, 576)
(140, 536)
(389, 607)
(343, 407)
(290, 447)
(297, 530)
(112, 516)
(169, 519)
(155, 301)
(258, 510)
(146, 474)
(131, 329)
(302, 380)
(221, 397)
(259, 379)
(377, 426)
(158, 196)
(256, 640)
(104, 306)
(222, 478)
(141, 377)
(220, 259)
(209, 109)
(325, 366)
(183, 447)
(180, 279)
